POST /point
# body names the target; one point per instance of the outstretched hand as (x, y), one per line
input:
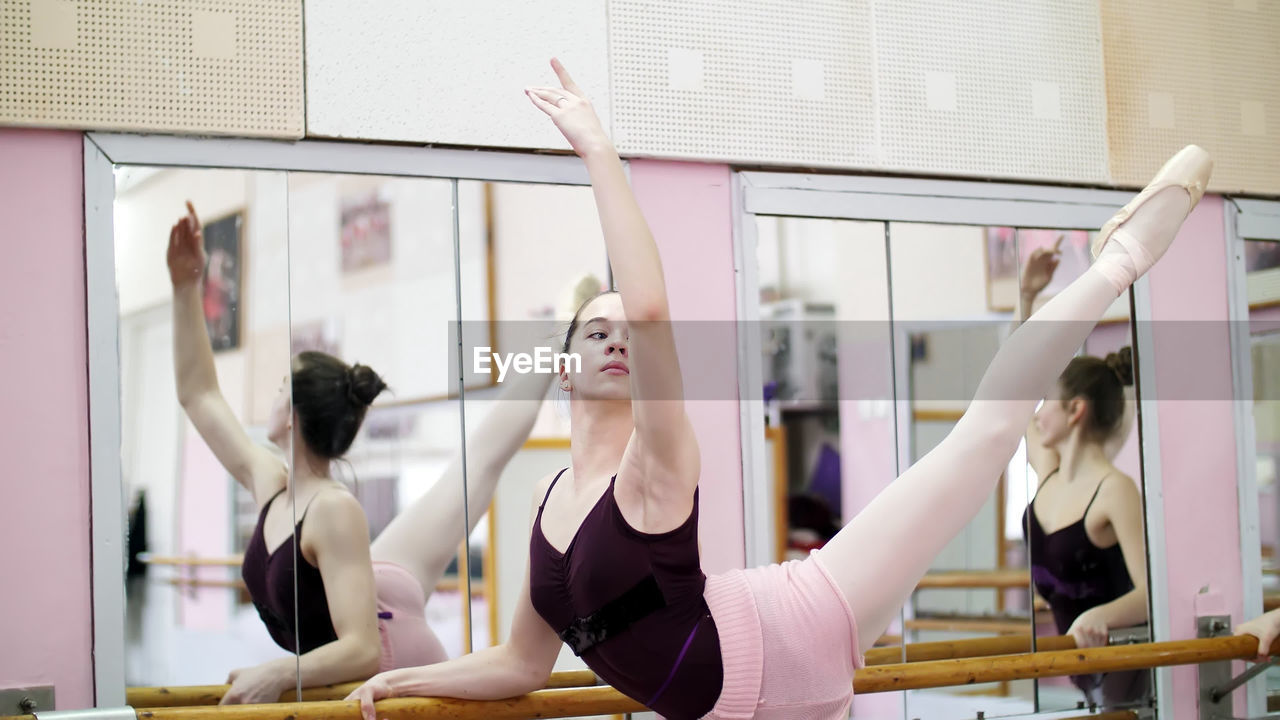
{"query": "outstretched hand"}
(1040, 268)
(569, 109)
(1266, 628)
(186, 256)
(374, 689)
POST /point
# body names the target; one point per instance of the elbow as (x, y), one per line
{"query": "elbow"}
(368, 658)
(649, 311)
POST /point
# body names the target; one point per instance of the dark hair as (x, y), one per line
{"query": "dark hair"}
(331, 398)
(573, 324)
(1101, 382)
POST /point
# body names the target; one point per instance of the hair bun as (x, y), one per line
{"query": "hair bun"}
(363, 385)
(1121, 363)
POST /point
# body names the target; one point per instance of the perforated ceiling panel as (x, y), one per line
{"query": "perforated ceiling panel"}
(999, 88)
(743, 80)
(1189, 71)
(217, 67)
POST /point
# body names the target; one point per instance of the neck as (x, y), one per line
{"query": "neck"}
(598, 436)
(304, 465)
(1077, 455)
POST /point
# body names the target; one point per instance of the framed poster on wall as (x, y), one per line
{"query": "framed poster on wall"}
(223, 302)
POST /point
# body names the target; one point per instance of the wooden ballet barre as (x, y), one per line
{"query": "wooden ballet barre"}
(976, 579)
(977, 647)
(884, 678)
(189, 695)
(192, 695)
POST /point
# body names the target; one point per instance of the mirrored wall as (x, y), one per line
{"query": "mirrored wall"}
(301, 355)
(874, 337)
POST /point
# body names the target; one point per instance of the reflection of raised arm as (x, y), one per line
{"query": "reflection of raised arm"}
(520, 665)
(663, 430)
(197, 381)
(1036, 276)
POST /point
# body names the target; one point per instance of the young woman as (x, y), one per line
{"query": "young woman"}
(360, 607)
(1084, 525)
(614, 568)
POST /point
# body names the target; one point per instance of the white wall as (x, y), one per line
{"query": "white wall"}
(450, 73)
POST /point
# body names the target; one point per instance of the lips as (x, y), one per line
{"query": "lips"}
(615, 368)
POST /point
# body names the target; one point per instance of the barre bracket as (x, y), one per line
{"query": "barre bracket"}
(1216, 683)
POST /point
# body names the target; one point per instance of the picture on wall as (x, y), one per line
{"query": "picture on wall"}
(365, 233)
(222, 281)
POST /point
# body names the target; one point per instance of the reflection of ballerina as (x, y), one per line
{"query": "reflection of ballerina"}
(360, 607)
(1084, 525)
(614, 561)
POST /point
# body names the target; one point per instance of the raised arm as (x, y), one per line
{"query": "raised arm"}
(198, 392)
(656, 385)
(1036, 276)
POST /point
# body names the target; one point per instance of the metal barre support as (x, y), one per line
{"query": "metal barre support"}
(1216, 683)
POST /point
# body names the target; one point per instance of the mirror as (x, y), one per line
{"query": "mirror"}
(827, 384)
(373, 282)
(189, 618)
(1080, 515)
(952, 302)
(523, 277)
(1262, 282)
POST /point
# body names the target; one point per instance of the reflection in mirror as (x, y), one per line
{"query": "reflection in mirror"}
(1082, 513)
(201, 443)
(373, 295)
(523, 278)
(828, 384)
(953, 293)
(1262, 282)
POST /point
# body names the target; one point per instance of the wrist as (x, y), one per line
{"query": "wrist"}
(598, 149)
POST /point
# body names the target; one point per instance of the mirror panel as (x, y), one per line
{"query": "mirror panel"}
(523, 277)
(1262, 283)
(373, 283)
(189, 619)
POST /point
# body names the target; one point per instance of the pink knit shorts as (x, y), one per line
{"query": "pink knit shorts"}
(788, 641)
(407, 640)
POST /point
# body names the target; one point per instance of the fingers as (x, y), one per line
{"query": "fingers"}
(555, 96)
(1057, 244)
(565, 80)
(191, 211)
(541, 103)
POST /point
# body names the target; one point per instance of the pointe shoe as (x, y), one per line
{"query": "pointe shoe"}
(1189, 170)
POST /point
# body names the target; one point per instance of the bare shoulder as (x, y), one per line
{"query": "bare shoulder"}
(1119, 494)
(540, 489)
(339, 514)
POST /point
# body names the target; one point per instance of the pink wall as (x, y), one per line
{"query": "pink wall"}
(689, 209)
(1197, 430)
(46, 610)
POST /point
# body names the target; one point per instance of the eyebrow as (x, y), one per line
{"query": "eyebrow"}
(594, 319)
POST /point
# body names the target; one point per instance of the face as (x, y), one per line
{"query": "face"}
(600, 340)
(280, 423)
(1051, 419)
